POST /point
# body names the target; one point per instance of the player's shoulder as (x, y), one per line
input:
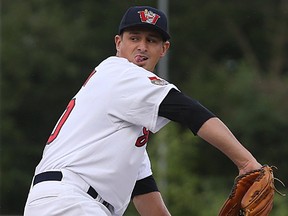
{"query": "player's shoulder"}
(119, 64)
(114, 60)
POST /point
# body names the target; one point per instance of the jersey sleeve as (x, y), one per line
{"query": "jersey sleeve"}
(145, 181)
(187, 111)
(138, 97)
(144, 186)
(145, 168)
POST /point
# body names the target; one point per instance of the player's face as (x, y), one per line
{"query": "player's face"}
(142, 47)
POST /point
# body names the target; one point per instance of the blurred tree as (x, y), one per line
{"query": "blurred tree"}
(214, 32)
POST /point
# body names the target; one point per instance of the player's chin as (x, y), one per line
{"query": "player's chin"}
(145, 64)
(141, 63)
(148, 67)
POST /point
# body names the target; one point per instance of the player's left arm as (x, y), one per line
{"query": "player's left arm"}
(147, 199)
(180, 108)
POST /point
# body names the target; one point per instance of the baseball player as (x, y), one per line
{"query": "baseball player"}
(95, 160)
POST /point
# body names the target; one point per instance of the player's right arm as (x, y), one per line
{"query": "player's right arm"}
(147, 199)
(150, 204)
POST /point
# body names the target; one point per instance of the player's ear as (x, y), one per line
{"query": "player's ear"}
(117, 40)
(165, 47)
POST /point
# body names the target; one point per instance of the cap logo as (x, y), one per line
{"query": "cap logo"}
(148, 17)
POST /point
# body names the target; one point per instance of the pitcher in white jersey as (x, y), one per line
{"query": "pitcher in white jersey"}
(95, 161)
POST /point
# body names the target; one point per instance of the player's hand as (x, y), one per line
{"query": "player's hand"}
(251, 165)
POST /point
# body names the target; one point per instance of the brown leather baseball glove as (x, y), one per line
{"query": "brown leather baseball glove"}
(252, 194)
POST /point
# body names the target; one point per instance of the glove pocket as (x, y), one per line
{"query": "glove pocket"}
(259, 197)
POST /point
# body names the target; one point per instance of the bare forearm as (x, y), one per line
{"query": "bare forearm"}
(215, 132)
(150, 204)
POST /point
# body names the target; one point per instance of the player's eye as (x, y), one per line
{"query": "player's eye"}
(151, 40)
(134, 38)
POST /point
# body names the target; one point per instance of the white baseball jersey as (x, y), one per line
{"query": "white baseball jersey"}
(102, 135)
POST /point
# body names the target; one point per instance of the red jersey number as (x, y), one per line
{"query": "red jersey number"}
(61, 121)
(142, 140)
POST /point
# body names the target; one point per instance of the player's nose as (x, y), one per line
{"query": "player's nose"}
(142, 46)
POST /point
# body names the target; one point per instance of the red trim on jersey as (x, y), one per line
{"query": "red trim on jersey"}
(91, 74)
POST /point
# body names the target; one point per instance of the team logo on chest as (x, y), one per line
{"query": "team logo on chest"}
(148, 17)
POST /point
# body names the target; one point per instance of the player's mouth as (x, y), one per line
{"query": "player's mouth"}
(140, 58)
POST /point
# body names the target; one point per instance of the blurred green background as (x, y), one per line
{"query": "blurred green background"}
(230, 55)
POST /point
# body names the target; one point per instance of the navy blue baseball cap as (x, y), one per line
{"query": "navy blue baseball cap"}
(145, 16)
